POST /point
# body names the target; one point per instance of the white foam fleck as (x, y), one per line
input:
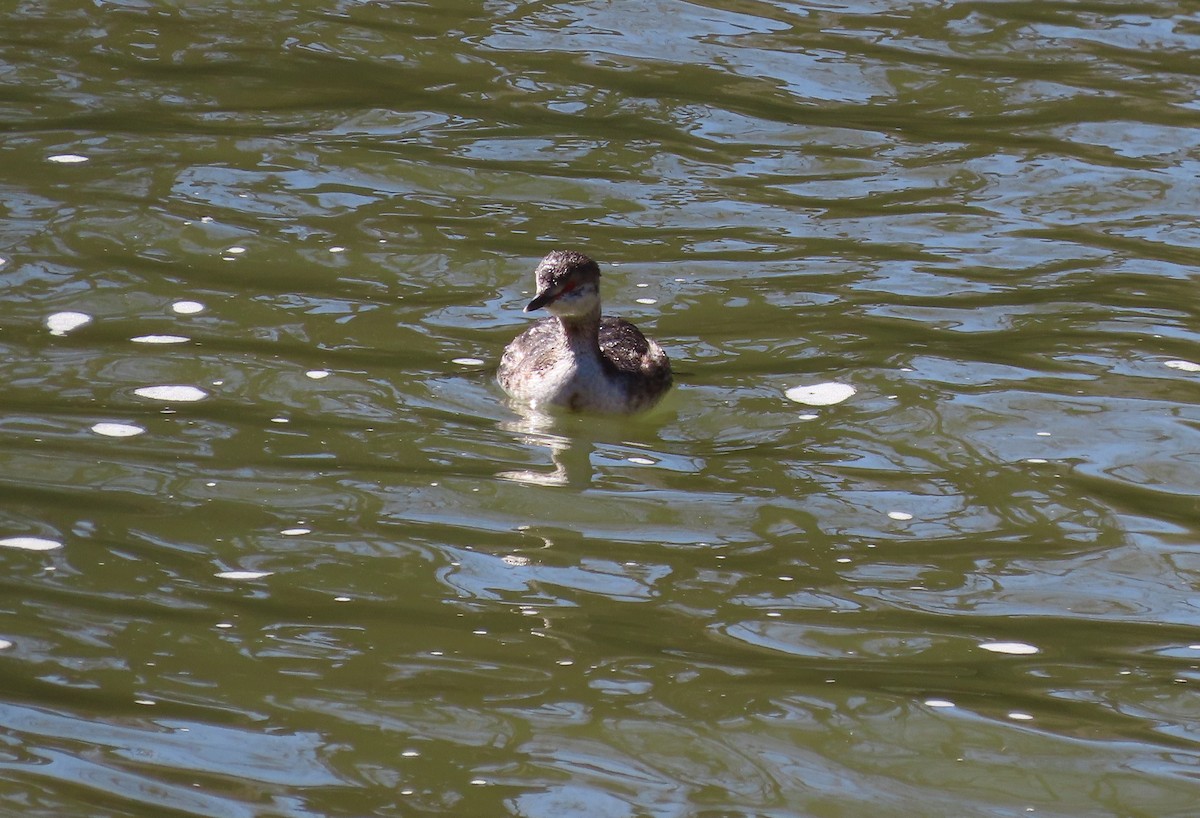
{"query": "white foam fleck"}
(467, 361)
(30, 543)
(187, 307)
(236, 250)
(317, 374)
(60, 323)
(5, 644)
(821, 394)
(1183, 366)
(1015, 716)
(295, 532)
(1037, 460)
(1010, 648)
(160, 339)
(243, 574)
(899, 515)
(173, 393)
(66, 158)
(145, 702)
(337, 249)
(641, 461)
(117, 429)
(515, 560)
(647, 300)
(938, 703)
(281, 420)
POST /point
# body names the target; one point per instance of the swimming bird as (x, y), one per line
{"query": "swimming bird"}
(577, 359)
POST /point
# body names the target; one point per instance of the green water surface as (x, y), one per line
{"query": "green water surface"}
(350, 580)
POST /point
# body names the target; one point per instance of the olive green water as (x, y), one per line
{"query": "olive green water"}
(350, 580)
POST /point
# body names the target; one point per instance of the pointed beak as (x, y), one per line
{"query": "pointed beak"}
(543, 298)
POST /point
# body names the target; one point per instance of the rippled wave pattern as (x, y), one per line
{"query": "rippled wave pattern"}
(272, 543)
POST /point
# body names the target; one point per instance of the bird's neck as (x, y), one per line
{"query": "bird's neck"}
(582, 331)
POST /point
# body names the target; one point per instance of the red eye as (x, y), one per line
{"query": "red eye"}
(570, 285)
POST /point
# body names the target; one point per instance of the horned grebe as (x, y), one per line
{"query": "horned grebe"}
(577, 359)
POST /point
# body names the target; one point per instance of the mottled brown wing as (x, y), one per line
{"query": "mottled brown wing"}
(532, 352)
(623, 344)
(642, 361)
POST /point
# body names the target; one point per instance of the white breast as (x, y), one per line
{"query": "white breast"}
(578, 383)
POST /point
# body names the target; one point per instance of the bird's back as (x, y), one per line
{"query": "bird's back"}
(630, 373)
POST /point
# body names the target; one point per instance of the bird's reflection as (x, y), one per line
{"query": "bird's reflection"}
(572, 457)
